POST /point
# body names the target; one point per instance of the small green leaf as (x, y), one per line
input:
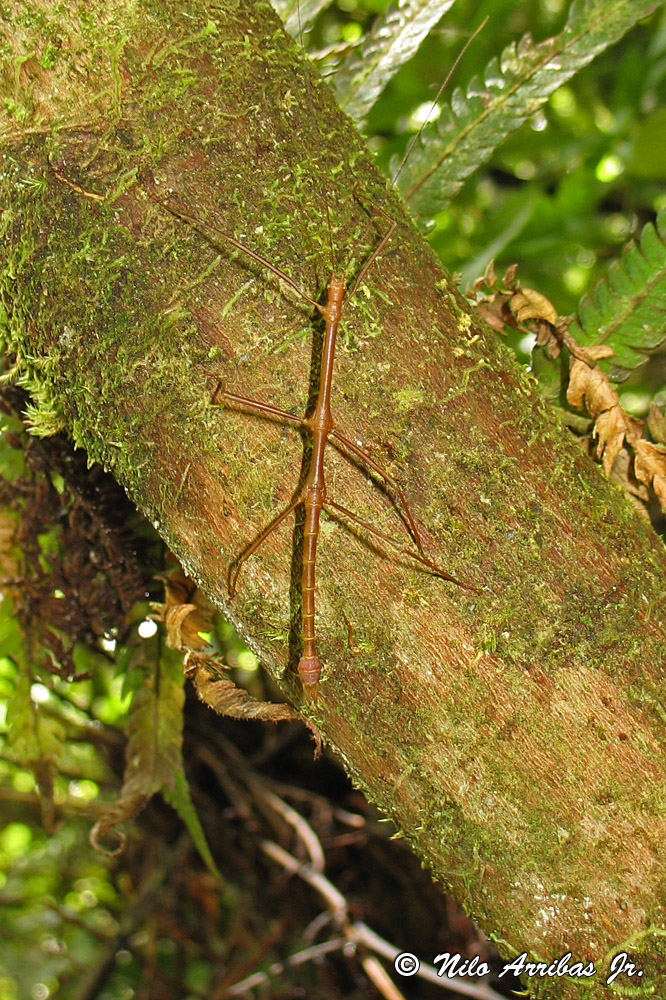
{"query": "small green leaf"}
(394, 39)
(628, 309)
(179, 798)
(154, 760)
(36, 739)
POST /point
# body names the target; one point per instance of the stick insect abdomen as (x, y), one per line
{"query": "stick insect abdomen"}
(309, 665)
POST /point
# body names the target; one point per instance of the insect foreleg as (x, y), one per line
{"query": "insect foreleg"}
(254, 406)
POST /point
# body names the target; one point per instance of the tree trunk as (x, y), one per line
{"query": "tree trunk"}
(516, 737)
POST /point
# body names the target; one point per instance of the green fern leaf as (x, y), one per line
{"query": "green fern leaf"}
(36, 740)
(154, 760)
(476, 122)
(154, 737)
(394, 39)
(155, 725)
(11, 637)
(179, 798)
(628, 309)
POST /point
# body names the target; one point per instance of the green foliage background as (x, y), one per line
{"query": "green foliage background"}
(564, 193)
(560, 196)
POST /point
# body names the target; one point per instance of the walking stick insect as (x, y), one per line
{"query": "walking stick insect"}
(320, 426)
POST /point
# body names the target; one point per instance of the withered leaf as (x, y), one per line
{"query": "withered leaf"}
(589, 386)
(656, 422)
(188, 616)
(527, 304)
(650, 467)
(219, 692)
(610, 429)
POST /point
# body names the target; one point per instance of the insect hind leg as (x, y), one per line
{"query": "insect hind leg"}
(406, 514)
(235, 571)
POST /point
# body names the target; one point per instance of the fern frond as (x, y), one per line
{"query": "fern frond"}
(394, 39)
(154, 732)
(154, 750)
(155, 727)
(628, 309)
(477, 122)
(35, 739)
(179, 797)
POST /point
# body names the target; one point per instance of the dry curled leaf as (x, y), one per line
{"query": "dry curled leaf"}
(656, 422)
(218, 691)
(487, 279)
(589, 387)
(186, 612)
(588, 384)
(527, 304)
(491, 317)
(507, 303)
(610, 429)
(188, 616)
(128, 808)
(613, 427)
(650, 467)
(623, 474)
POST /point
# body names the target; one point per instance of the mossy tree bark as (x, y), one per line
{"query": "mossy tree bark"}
(516, 737)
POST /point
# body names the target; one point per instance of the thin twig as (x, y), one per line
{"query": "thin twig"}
(378, 975)
(298, 958)
(334, 899)
(361, 936)
(356, 934)
(303, 829)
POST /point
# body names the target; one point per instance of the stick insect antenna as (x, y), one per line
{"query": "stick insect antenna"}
(442, 88)
(308, 91)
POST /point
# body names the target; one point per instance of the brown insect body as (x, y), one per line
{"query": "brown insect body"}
(320, 425)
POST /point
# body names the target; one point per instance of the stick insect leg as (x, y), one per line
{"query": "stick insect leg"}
(253, 404)
(350, 446)
(201, 227)
(437, 570)
(271, 411)
(233, 579)
(374, 255)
